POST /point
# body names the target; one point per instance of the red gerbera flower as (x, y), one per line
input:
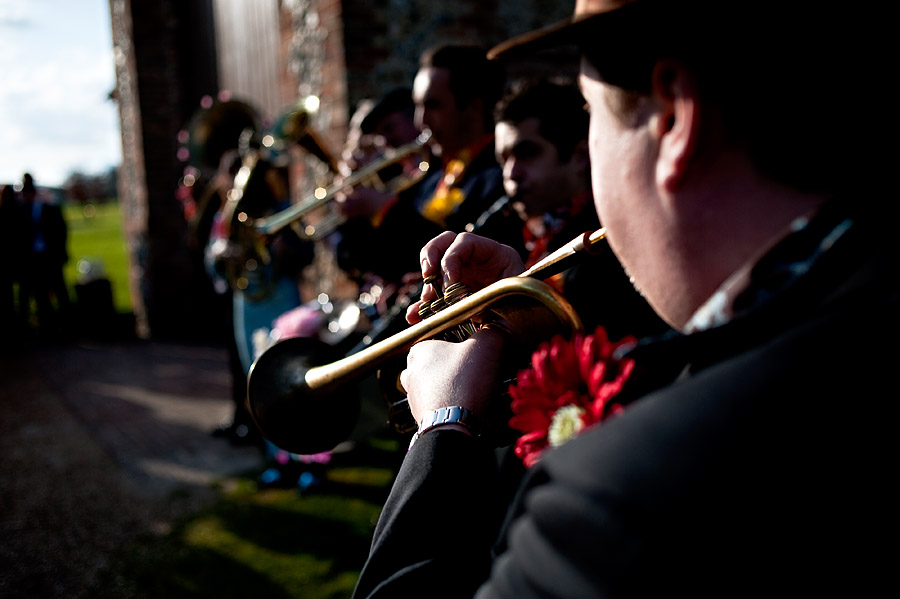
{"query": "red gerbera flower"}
(570, 386)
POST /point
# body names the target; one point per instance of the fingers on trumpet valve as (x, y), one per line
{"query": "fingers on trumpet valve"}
(451, 295)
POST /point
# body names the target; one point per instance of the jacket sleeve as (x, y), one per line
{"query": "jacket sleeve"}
(436, 530)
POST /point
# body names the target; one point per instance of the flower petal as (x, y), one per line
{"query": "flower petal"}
(569, 386)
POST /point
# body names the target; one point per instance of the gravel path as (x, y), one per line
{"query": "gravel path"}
(99, 443)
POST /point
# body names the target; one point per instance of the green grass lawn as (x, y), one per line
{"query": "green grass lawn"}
(96, 234)
(274, 543)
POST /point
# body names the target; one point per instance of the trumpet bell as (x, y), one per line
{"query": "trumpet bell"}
(325, 417)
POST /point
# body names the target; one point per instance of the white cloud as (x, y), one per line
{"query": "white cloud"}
(55, 116)
(12, 13)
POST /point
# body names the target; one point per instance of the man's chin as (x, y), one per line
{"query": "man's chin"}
(529, 207)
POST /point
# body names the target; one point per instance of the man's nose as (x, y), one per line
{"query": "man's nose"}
(419, 118)
(513, 170)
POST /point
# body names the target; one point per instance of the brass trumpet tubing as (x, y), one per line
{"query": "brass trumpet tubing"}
(560, 260)
(300, 401)
(525, 294)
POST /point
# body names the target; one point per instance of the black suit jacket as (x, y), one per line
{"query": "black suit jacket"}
(765, 470)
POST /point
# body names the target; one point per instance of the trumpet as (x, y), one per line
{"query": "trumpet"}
(370, 174)
(299, 398)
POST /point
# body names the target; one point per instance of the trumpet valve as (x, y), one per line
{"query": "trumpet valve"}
(425, 311)
(434, 281)
(438, 305)
(430, 308)
(454, 293)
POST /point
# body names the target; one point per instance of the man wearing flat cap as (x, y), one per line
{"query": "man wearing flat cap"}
(736, 168)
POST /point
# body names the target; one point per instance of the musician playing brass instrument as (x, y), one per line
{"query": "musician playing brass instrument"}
(755, 210)
(454, 92)
(209, 147)
(377, 129)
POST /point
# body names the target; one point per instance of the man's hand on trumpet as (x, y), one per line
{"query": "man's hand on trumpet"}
(442, 373)
(463, 258)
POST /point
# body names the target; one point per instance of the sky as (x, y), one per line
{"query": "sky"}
(56, 74)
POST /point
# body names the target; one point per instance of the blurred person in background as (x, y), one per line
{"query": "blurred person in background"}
(9, 231)
(454, 93)
(210, 147)
(542, 147)
(377, 130)
(44, 254)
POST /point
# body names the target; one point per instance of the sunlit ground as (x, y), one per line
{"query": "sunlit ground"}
(274, 543)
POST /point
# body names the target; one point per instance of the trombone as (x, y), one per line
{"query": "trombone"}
(300, 400)
(367, 175)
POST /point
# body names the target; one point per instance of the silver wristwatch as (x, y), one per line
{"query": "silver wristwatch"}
(448, 415)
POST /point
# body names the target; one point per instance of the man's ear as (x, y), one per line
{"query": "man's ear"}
(677, 126)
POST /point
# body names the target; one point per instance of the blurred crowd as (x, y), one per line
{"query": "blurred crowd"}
(33, 234)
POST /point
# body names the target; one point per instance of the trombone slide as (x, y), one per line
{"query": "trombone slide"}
(276, 222)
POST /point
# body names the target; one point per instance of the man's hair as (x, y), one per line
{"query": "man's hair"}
(558, 107)
(780, 83)
(396, 100)
(472, 75)
(28, 184)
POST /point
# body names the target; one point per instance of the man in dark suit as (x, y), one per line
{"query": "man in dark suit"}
(744, 197)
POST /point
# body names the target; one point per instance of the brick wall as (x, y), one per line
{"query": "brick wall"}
(384, 38)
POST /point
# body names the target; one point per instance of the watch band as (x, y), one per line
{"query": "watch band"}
(448, 415)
